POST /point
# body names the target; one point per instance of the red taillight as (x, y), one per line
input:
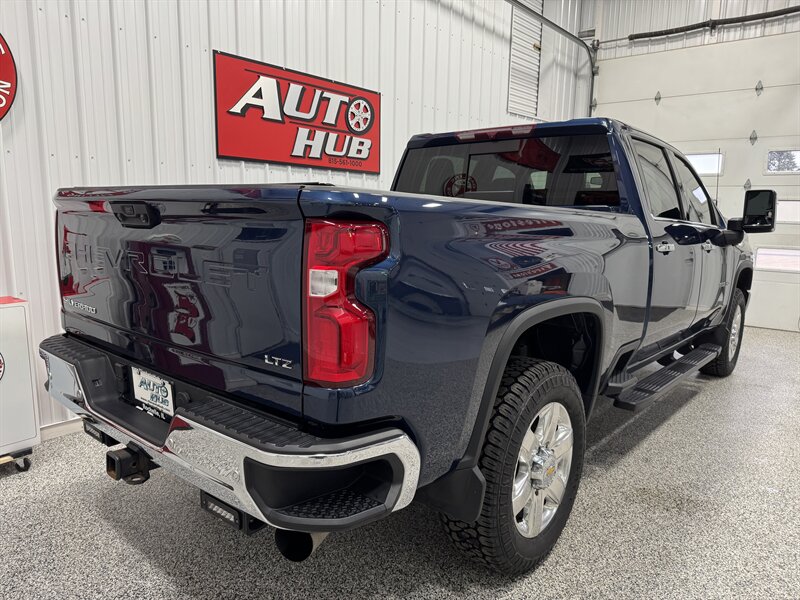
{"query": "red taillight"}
(339, 330)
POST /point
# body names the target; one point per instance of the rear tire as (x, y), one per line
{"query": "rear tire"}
(537, 401)
(729, 335)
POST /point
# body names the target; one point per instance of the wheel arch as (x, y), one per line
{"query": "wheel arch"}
(459, 493)
(744, 279)
(514, 331)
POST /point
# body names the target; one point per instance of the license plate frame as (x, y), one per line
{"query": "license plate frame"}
(153, 392)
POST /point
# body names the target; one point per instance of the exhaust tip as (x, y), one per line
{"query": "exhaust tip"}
(297, 546)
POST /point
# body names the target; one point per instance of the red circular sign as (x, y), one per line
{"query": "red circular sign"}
(458, 184)
(8, 78)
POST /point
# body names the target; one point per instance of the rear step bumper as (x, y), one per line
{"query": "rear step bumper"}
(263, 467)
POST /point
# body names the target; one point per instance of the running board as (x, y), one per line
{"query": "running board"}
(619, 383)
(659, 383)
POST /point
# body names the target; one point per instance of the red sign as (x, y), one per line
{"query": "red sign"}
(271, 114)
(8, 78)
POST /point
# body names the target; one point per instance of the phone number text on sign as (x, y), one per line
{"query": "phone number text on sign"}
(271, 114)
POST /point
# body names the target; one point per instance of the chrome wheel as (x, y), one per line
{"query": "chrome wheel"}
(736, 329)
(543, 466)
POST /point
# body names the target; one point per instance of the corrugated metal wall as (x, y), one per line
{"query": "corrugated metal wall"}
(120, 93)
(565, 71)
(615, 19)
(523, 70)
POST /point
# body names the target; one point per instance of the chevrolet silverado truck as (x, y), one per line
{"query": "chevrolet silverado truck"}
(315, 357)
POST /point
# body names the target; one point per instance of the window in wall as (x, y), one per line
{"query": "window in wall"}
(706, 164)
(658, 182)
(778, 259)
(788, 211)
(694, 196)
(783, 161)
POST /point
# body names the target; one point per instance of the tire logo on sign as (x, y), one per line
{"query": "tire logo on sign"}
(8, 78)
(359, 116)
(2, 366)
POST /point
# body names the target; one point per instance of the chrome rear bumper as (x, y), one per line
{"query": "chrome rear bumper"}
(228, 468)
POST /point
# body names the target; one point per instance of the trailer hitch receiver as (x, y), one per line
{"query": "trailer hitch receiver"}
(129, 465)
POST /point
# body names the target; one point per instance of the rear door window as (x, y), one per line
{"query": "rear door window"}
(658, 182)
(574, 171)
(695, 198)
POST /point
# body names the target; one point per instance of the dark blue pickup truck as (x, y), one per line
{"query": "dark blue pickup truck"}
(314, 358)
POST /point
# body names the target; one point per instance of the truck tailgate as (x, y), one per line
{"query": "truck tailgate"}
(204, 282)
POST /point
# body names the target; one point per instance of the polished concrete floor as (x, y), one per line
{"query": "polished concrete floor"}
(696, 497)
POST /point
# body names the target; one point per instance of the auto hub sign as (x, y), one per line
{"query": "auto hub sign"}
(271, 114)
(8, 78)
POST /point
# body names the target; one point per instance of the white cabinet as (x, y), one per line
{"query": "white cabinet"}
(19, 415)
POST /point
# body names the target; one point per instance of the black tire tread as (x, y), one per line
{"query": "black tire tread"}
(481, 541)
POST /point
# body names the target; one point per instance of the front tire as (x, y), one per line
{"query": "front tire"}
(729, 333)
(532, 460)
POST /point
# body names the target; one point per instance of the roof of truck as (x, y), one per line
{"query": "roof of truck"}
(573, 126)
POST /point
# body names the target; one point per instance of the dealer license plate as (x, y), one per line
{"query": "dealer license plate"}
(153, 391)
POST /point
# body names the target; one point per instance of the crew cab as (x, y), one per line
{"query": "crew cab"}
(315, 357)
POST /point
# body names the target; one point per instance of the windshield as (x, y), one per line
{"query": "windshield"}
(545, 171)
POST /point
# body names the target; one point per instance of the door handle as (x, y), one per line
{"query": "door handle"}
(665, 247)
(707, 246)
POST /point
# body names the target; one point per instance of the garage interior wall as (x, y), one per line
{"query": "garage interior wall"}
(614, 20)
(711, 107)
(549, 75)
(523, 67)
(564, 71)
(120, 93)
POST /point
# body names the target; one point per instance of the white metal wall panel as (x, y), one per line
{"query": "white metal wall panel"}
(564, 71)
(614, 20)
(526, 40)
(120, 93)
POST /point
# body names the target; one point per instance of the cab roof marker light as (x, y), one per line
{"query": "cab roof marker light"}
(491, 133)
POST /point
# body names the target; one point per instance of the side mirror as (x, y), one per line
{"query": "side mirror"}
(729, 237)
(759, 212)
